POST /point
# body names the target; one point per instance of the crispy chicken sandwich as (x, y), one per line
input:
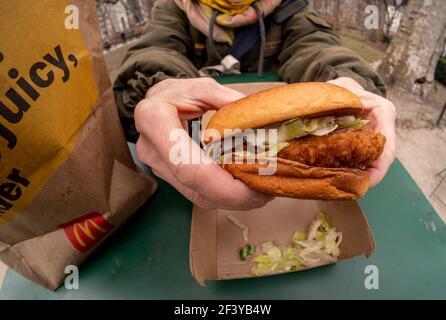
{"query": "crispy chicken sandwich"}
(323, 146)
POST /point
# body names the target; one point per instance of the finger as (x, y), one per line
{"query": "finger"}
(204, 202)
(161, 170)
(372, 101)
(208, 180)
(378, 171)
(376, 176)
(193, 196)
(212, 93)
(349, 84)
(217, 185)
(368, 99)
(203, 92)
(379, 168)
(384, 118)
(161, 86)
(147, 154)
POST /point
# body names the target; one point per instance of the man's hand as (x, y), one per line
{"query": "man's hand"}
(382, 114)
(167, 107)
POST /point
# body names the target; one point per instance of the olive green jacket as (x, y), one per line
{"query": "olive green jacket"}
(305, 48)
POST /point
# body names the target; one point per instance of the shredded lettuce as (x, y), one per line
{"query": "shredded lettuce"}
(290, 262)
(271, 152)
(293, 128)
(321, 126)
(243, 227)
(262, 265)
(326, 223)
(272, 251)
(314, 230)
(348, 122)
(316, 124)
(357, 124)
(246, 251)
(345, 120)
(320, 246)
(325, 131)
(298, 236)
(297, 128)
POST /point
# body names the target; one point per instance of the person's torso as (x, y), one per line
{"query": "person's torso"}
(203, 56)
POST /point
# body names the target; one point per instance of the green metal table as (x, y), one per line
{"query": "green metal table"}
(148, 258)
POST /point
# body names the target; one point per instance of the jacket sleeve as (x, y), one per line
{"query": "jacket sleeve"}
(312, 51)
(161, 53)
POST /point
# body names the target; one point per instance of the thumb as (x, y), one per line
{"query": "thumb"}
(211, 93)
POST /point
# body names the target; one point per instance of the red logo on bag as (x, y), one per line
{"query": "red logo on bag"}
(86, 231)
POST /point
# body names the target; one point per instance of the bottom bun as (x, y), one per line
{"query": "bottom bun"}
(296, 180)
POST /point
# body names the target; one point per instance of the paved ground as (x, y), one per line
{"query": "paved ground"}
(423, 153)
(422, 145)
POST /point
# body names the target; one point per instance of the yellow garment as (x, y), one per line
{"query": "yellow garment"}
(226, 33)
(228, 7)
(242, 14)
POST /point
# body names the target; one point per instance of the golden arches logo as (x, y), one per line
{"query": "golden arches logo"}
(84, 228)
(86, 231)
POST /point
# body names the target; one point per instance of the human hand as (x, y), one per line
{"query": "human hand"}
(167, 107)
(382, 115)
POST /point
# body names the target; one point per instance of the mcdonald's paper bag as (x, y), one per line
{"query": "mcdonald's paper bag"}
(67, 180)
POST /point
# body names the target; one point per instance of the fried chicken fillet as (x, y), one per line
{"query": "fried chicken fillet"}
(351, 149)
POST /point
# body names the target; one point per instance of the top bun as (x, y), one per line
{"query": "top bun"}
(279, 104)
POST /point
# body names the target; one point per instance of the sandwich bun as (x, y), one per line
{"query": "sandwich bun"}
(296, 180)
(290, 101)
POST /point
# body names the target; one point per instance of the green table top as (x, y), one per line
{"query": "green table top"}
(149, 256)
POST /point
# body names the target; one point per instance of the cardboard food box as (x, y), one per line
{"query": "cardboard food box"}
(215, 241)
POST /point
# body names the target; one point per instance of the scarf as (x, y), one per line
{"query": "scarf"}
(230, 14)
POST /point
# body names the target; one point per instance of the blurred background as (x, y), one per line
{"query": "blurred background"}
(407, 46)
